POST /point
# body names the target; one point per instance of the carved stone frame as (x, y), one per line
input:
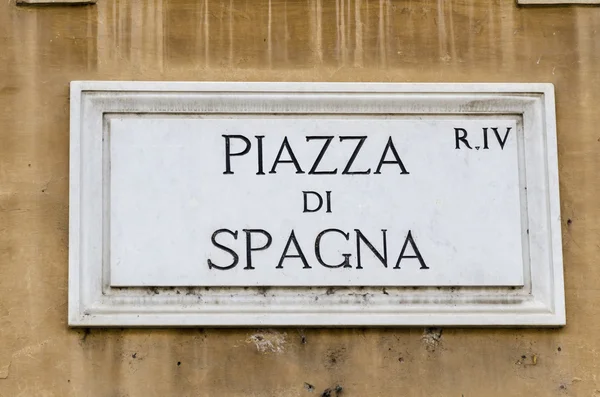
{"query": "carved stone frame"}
(93, 302)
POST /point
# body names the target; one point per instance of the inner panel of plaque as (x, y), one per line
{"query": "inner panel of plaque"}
(315, 200)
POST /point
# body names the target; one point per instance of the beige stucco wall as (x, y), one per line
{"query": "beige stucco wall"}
(43, 48)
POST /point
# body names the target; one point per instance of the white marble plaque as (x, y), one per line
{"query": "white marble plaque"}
(314, 204)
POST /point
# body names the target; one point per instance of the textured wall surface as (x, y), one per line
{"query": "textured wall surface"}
(43, 48)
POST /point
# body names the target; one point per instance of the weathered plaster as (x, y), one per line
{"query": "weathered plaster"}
(43, 48)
